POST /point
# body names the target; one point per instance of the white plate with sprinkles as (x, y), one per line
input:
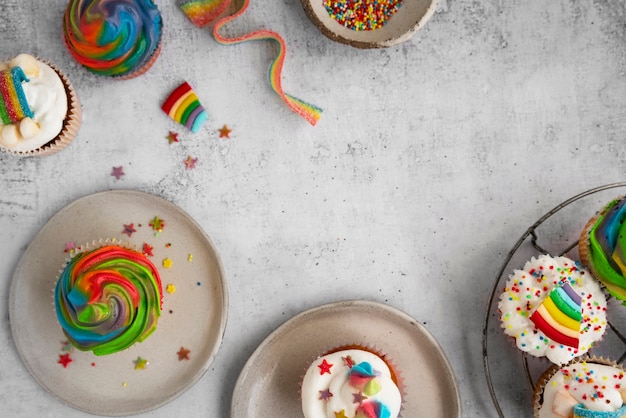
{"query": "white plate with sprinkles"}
(369, 23)
(190, 328)
(269, 384)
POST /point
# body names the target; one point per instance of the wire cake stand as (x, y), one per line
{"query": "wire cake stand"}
(511, 373)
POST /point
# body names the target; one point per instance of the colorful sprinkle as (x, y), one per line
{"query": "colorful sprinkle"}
(167, 263)
(225, 132)
(118, 172)
(129, 229)
(170, 288)
(64, 359)
(361, 15)
(183, 354)
(172, 137)
(157, 224)
(140, 363)
(190, 162)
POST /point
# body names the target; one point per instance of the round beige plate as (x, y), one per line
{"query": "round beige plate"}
(410, 17)
(269, 384)
(193, 317)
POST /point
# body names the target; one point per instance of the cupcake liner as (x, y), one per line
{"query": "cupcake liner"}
(71, 123)
(545, 377)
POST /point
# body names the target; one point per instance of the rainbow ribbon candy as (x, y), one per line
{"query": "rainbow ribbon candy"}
(13, 104)
(201, 12)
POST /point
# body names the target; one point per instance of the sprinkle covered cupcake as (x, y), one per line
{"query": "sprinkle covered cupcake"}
(351, 383)
(589, 388)
(602, 247)
(39, 111)
(108, 298)
(554, 308)
(116, 38)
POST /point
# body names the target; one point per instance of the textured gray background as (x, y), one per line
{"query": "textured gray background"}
(430, 160)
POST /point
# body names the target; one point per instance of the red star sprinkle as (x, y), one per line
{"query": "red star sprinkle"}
(325, 395)
(348, 361)
(147, 249)
(183, 354)
(129, 229)
(225, 132)
(64, 359)
(157, 224)
(324, 367)
(172, 137)
(190, 162)
(118, 172)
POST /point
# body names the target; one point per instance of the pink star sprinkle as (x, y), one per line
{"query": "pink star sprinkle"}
(129, 229)
(118, 172)
(190, 162)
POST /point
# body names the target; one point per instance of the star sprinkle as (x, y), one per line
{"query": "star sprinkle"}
(140, 363)
(129, 229)
(167, 263)
(341, 414)
(118, 172)
(325, 395)
(324, 367)
(190, 162)
(69, 247)
(170, 288)
(172, 137)
(147, 249)
(183, 354)
(64, 359)
(225, 132)
(348, 361)
(157, 224)
(358, 398)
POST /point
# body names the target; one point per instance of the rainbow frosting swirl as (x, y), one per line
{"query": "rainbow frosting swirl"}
(607, 248)
(112, 37)
(107, 299)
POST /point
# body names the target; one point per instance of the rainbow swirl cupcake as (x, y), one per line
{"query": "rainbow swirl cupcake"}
(108, 298)
(602, 247)
(116, 38)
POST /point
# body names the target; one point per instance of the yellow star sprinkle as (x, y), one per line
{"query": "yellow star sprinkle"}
(170, 288)
(140, 363)
(167, 263)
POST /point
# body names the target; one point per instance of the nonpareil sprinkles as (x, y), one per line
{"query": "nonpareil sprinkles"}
(362, 14)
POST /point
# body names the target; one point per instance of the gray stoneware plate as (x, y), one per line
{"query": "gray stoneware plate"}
(400, 27)
(193, 317)
(269, 384)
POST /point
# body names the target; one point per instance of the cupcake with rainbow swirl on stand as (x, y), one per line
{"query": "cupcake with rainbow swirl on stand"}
(115, 38)
(108, 297)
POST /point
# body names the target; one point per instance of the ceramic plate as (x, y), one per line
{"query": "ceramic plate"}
(399, 27)
(193, 317)
(269, 383)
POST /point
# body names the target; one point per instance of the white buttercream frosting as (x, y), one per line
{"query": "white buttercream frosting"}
(47, 99)
(328, 389)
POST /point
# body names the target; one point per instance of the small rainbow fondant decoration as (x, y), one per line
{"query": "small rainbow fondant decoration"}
(184, 107)
(13, 104)
(559, 316)
(363, 377)
(372, 409)
(202, 12)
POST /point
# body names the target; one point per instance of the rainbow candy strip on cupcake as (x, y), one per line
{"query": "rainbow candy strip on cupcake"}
(553, 307)
(108, 298)
(117, 38)
(350, 383)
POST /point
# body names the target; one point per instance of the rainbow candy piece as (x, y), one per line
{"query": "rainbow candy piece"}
(107, 299)
(184, 107)
(363, 377)
(372, 409)
(13, 104)
(202, 12)
(559, 316)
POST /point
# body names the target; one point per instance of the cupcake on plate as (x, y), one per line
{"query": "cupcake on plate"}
(120, 39)
(107, 298)
(585, 388)
(351, 382)
(39, 111)
(602, 247)
(554, 308)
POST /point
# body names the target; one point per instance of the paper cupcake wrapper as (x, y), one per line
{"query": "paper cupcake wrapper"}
(71, 123)
(553, 369)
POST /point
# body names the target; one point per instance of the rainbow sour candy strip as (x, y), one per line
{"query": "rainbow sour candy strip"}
(184, 107)
(204, 11)
(13, 104)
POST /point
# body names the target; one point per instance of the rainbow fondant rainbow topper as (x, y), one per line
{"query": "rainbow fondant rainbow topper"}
(13, 104)
(559, 316)
(184, 107)
(202, 12)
